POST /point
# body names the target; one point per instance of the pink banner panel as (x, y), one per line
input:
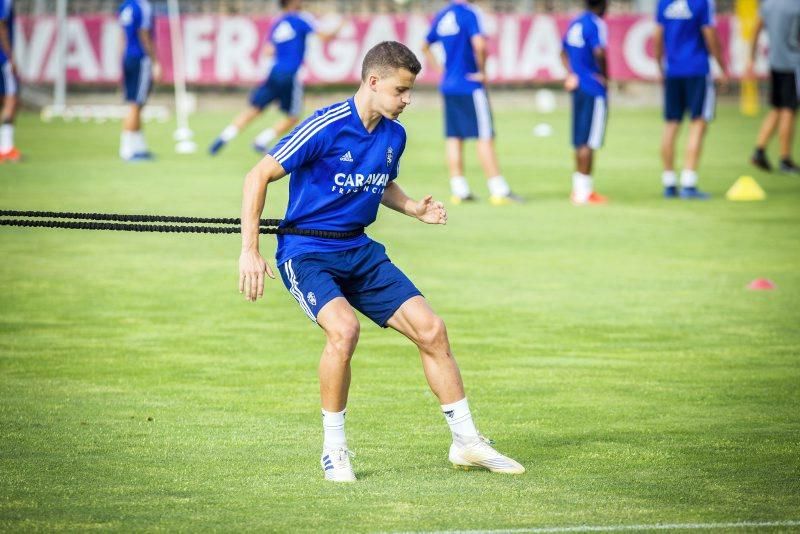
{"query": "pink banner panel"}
(226, 50)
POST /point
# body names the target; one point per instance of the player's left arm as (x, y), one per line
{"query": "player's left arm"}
(601, 58)
(749, 70)
(426, 210)
(479, 47)
(5, 44)
(327, 35)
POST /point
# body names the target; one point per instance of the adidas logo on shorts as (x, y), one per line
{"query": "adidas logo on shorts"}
(347, 157)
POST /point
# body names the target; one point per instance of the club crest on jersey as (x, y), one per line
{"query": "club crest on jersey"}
(389, 156)
(312, 298)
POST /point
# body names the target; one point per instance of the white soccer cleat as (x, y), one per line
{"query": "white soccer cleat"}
(480, 453)
(336, 465)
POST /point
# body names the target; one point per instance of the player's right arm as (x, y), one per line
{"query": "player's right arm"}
(658, 49)
(252, 266)
(711, 38)
(479, 48)
(749, 70)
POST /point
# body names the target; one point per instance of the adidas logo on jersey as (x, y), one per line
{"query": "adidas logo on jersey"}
(347, 157)
(678, 10)
(284, 32)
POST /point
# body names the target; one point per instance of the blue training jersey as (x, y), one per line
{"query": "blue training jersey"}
(455, 26)
(135, 15)
(7, 16)
(288, 36)
(585, 34)
(339, 171)
(685, 51)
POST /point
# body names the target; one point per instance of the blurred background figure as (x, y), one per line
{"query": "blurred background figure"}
(584, 56)
(9, 83)
(286, 42)
(685, 35)
(139, 68)
(781, 19)
(467, 114)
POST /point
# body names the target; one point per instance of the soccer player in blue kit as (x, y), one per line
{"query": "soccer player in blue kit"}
(9, 83)
(467, 114)
(344, 161)
(685, 34)
(584, 56)
(139, 68)
(286, 41)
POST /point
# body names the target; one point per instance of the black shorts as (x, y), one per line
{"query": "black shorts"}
(784, 90)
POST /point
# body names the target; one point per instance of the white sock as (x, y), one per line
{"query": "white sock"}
(498, 186)
(688, 178)
(581, 186)
(333, 427)
(459, 186)
(139, 144)
(126, 144)
(229, 133)
(668, 179)
(459, 418)
(264, 138)
(6, 138)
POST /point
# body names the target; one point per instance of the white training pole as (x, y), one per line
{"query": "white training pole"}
(183, 135)
(60, 82)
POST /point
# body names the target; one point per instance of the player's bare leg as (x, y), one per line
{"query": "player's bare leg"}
(694, 148)
(668, 178)
(582, 183)
(786, 124)
(416, 320)
(499, 191)
(459, 187)
(132, 143)
(8, 152)
(765, 133)
(240, 122)
(277, 130)
(342, 329)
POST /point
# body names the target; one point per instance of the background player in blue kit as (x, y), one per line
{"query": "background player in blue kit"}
(584, 56)
(344, 161)
(286, 42)
(685, 34)
(9, 83)
(467, 114)
(139, 68)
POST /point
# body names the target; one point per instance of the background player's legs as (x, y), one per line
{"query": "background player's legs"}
(786, 124)
(768, 126)
(454, 153)
(694, 148)
(582, 183)
(487, 155)
(283, 125)
(7, 150)
(232, 130)
(668, 178)
(132, 143)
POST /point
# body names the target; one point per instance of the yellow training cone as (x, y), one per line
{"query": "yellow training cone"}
(745, 188)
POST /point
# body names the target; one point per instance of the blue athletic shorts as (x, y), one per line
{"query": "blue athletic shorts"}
(137, 78)
(695, 94)
(9, 83)
(364, 275)
(468, 116)
(589, 114)
(286, 88)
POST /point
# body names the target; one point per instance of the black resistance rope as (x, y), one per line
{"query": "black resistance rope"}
(135, 223)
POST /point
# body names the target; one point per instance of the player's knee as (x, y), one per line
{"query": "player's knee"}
(344, 335)
(434, 334)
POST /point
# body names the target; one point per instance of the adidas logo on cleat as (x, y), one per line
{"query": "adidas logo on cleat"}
(347, 157)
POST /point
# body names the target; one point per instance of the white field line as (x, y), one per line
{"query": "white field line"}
(623, 528)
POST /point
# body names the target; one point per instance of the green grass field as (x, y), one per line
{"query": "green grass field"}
(613, 350)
